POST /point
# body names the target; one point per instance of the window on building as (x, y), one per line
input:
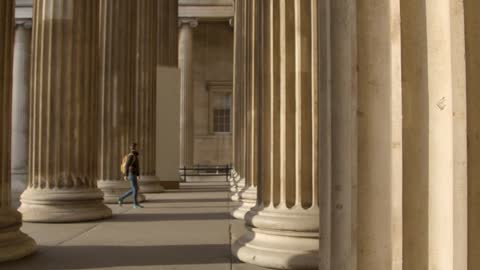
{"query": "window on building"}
(221, 120)
(220, 107)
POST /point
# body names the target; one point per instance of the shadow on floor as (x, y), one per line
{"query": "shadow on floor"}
(199, 200)
(89, 257)
(142, 217)
(185, 190)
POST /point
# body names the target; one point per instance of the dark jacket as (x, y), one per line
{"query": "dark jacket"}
(133, 164)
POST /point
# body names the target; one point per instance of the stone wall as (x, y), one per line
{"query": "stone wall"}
(213, 61)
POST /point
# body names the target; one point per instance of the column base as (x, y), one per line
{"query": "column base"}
(279, 250)
(150, 184)
(59, 206)
(280, 238)
(239, 185)
(14, 244)
(248, 199)
(113, 189)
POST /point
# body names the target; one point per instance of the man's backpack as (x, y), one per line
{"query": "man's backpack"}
(123, 166)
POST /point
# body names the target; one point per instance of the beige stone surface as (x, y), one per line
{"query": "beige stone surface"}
(20, 102)
(168, 124)
(117, 89)
(212, 61)
(472, 36)
(379, 136)
(185, 229)
(62, 169)
(185, 58)
(282, 157)
(14, 244)
(145, 92)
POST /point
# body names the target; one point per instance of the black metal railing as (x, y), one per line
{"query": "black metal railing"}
(205, 170)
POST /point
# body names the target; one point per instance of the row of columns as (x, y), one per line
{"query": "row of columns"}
(246, 99)
(368, 133)
(70, 149)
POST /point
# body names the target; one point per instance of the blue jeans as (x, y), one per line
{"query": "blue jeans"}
(133, 190)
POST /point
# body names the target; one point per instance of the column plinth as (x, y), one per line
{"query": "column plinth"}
(280, 237)
(248, 198)
(13, 243)
(150, 184)
(64, 141)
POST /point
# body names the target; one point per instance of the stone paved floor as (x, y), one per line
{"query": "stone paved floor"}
(186, 229)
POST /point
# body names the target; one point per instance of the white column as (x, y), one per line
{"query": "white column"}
(21, 84)
(185, 62)
(283, 228)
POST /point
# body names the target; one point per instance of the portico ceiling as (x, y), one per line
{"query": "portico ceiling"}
(203, 10)
(206, 10)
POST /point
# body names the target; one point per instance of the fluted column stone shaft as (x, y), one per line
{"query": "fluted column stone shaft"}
(146, 89)
(63, 149)
(117, 91)
(185, 63)
(21, 84)
(283, 227)
(13, 243)
(247, 189)
(167, 38)
(435, 125)
(237, 180)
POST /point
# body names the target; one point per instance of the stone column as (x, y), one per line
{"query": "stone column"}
(21, 84)
(246, 188)
(145, 99)
(64, 96)
(167, 37)
(237, 180)
(13, 243)
(185, 63)
(472, 38)
(283, 227)
(379, 224)
(435, 125)
(117, 91)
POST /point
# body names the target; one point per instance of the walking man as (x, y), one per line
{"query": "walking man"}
(132, 171)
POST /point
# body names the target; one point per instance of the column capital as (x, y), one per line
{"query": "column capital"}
(192, 22)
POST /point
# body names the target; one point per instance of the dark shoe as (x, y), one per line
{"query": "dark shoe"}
(138, 206)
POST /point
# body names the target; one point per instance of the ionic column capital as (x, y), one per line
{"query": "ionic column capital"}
(192, 22)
